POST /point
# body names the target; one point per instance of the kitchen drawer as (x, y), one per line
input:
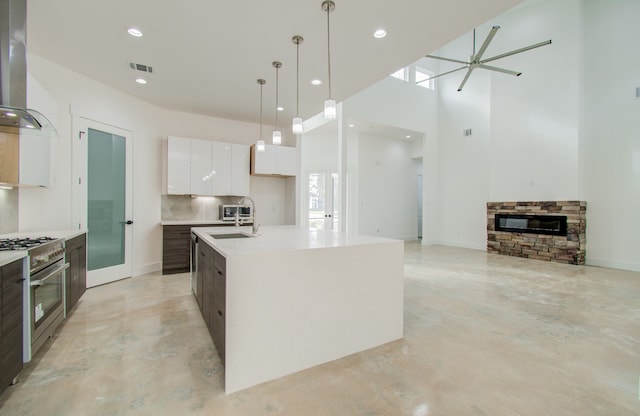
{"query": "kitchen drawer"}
(10, 273)
(219, 291)
(220, 263)
(217, 331)
(175, 231)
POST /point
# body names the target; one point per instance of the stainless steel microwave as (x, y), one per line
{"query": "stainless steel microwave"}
(228, 212)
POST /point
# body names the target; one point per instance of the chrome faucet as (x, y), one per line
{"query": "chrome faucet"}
(256, 226)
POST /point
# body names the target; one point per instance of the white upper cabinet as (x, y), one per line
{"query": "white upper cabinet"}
(264, 163)
(178, 166)
(240, 166)
(204, 167)
(287, 161)
(221, 158)
(274, 161)
(25, 158)
(201, 168)
(35, 160)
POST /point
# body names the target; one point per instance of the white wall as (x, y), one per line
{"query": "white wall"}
(76, 95)
(524, 142)
(393, 102)
(534, 117)
(387, 192)
(610, 132)
(567, 128)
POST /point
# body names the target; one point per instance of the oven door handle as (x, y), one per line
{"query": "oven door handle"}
(54, 272)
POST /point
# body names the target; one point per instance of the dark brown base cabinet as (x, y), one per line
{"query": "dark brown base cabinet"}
(212, 274)
(176, 246)
(76, 276)
(11, 281)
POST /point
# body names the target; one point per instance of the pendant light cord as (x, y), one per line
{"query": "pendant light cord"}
(329, 48)
(261, 84)
(297, 78)
(277, 82)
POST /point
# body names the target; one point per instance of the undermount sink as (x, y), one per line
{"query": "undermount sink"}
(231, 235)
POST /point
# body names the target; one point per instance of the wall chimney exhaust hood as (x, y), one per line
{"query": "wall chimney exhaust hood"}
(26, 136)
(13, 72)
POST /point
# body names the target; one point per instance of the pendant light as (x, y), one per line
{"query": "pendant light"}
(330, 103)
(260, 146)
(297, 121)
(277, 134)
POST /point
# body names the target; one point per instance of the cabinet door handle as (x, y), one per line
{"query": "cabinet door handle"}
(220, 313)
(20, 280)
(219, 272)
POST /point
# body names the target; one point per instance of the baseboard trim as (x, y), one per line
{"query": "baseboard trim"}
(148, 268)
(612, 264)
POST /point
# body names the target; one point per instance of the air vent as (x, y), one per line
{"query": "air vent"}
(466, 132)
(141, 67)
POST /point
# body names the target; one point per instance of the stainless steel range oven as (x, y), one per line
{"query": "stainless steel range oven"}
(46, 284)
(44, 291)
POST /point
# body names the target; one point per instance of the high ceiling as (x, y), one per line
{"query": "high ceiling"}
(207, 54)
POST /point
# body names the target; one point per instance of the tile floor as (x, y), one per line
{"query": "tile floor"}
(484, 335)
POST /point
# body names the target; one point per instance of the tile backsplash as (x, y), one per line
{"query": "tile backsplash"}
(198, 208)
(8, 210)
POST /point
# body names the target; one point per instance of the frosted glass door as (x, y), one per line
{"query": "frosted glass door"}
(102, 199)
(106, 199)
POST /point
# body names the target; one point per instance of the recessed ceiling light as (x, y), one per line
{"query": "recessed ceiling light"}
(380, 33)
(352, 125)
(141, 81)
(135, 32)
(407, 136)
(280, 108)
(316, 82)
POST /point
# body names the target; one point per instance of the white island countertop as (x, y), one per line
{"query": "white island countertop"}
(281, 238)
(296, 298)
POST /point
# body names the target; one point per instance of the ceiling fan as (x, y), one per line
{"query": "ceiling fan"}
(476, 61)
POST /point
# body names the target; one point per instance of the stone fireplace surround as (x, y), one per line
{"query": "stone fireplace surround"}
(570, 249)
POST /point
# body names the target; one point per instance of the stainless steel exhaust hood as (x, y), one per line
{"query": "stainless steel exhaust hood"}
(13, 70)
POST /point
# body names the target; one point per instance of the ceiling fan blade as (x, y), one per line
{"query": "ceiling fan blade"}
(444, 73)
(447, 59)
(526, 48)
(486, 43)
(504, 71)
(466, 77)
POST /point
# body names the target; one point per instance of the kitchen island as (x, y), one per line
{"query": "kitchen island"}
(291, 298)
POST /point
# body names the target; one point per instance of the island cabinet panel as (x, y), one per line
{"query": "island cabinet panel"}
(218, 311)
(212, 266)
(76, 275)
(11, 283)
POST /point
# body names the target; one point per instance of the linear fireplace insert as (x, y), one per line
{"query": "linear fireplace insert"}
(533, 224)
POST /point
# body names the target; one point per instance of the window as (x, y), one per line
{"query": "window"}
(415, 73)
(401, 74)
(422, 75)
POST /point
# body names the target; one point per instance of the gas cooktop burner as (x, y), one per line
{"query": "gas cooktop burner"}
(8, 244)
